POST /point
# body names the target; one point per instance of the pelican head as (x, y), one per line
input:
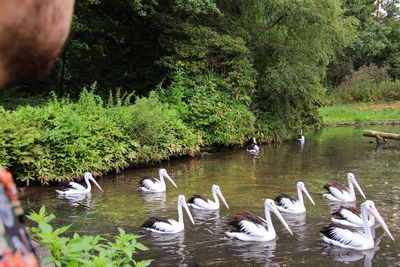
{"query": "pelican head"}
(182, 202)
(370, 206)
(302, 187)
(270, 205)
(217, 190)
(352, 179)
(88, 176)
(163, 173)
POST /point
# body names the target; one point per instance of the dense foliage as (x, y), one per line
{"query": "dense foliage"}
(84, 250)
(203, 72)
(269, 58)
(367, 84)
(61, 140)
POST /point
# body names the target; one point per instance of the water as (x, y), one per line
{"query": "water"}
(245, 181)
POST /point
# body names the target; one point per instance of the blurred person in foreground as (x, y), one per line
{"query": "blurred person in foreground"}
(32, 33)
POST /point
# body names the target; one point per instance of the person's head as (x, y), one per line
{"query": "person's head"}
(32, 33)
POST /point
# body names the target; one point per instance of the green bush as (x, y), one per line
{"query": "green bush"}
(368, 84)
(61, 140)
(84, 250)
(219, 117)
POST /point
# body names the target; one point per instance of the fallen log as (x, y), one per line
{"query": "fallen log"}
(381, 136)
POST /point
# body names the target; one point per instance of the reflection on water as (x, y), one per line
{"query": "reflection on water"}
(246, 180)
(259, 252)
(348, 256)
(78, 200)
(172, 245)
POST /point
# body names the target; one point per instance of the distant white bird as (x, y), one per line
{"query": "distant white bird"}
(151, 184)
(203, 203)
(164, 225)
(350, 238)
(349, 216)
(301, 137)
(253, 148)
(338, 192)
(73, 188)
(289, 204)
(250, 227)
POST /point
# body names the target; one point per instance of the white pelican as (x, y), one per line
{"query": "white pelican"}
(74, 188)
(349, 216)
(253, 148)
(301, 137)
(338, 192)
(250, 227)
(166, 225)
(347, 237)
(152, 184)
(203, 203)
(289, 204)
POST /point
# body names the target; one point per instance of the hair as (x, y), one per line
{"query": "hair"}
(32, 37)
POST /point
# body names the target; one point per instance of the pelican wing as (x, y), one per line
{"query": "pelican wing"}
(200, 201)
(344, 235)
(162, 224)
(149, 182)
(337, 190)
(287, 201)
(73, 185)
(349, 214)
(252, 228)
(249, 223)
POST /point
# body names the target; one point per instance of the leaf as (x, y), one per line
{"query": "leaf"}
(45, 227)
(47, 260)
(143, 263)
(141, 246)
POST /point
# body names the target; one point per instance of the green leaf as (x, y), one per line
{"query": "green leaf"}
(143, 263)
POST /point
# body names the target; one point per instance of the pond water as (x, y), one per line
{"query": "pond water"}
(245, 181)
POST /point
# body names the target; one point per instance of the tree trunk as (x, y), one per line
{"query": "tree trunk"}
(381, 136)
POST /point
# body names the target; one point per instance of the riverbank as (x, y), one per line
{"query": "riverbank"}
(361, 113)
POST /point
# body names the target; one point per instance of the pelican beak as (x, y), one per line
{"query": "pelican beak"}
(188, 211)
(378, 217)
(358, 187)
(308, 195)
(94, 181)
(278, 214)
(223, 199)
(170, 179)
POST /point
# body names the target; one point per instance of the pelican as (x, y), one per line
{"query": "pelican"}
(349, 216)
(253, 148)
(152, 184)
(164, 225)
(250, 227)
(338, 192)
(289, 204)
(74, 188)
(202, 203)
(346, 237)
(301, 137)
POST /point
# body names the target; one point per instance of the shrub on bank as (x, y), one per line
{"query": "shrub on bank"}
(368, 84)
(61, 140)
(215, 114)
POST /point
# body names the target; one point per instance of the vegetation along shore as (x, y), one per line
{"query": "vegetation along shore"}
(145, 81)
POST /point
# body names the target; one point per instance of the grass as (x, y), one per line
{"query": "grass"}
(361, 113)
